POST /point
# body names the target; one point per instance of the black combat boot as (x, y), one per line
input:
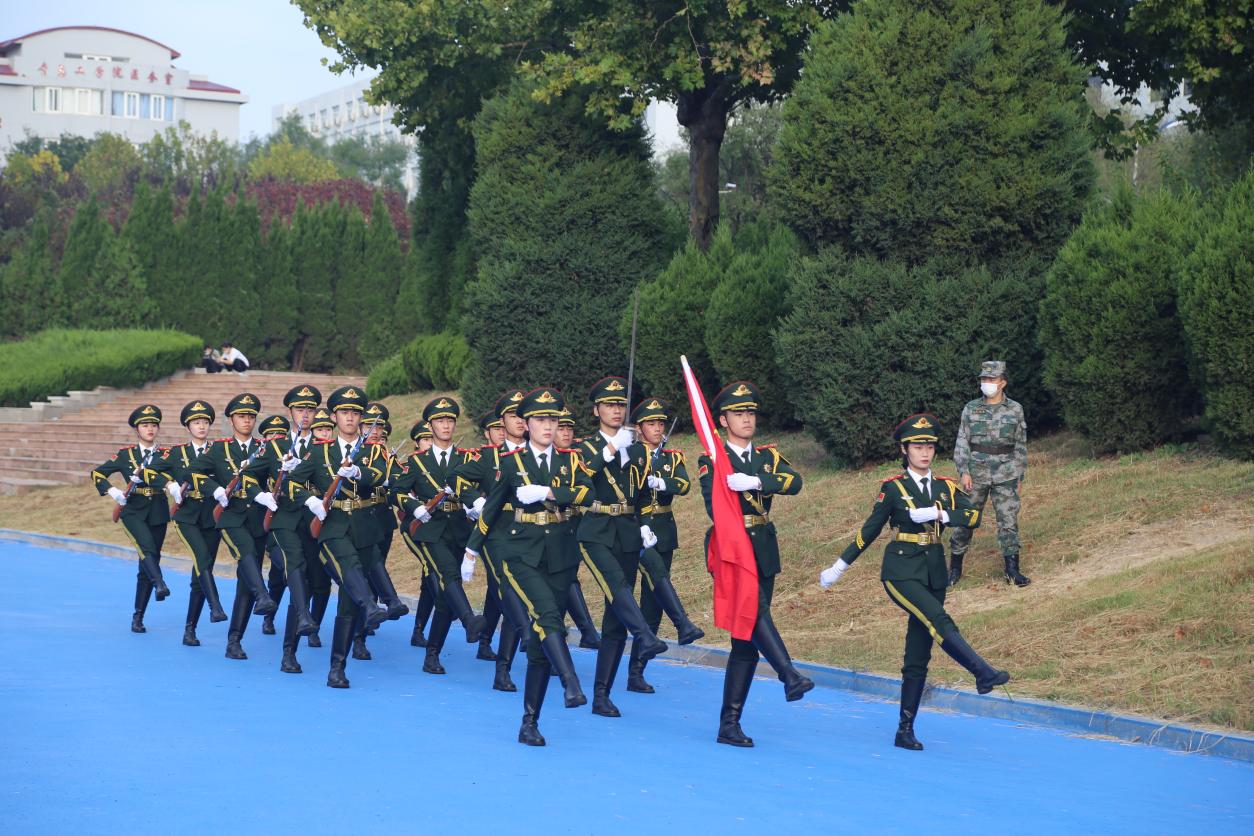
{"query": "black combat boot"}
(767, 639)
(359, 593)
(505, 658)
(577, 606)
(248, 573)
(911, 694)
(459, 604)
(426, 602)
(291, 638)
(668, 599)
(276, 583)
(143, 591)
(239, 622)
(317, 609)
(341, 636)
(382, 583)
(608, 658)
(1013, 576)
(491, 616)
(558, 653)
(440, 624)
(986, 676)
(736, 681)
(628, 612)
(955, 567)
(535, 685)
(153, 570)
(195, 603)
(635, 674)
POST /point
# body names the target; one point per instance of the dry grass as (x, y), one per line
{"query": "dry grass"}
(1143, 568)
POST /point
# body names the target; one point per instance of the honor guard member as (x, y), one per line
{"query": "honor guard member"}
(538, 486)
(442, 531)
(241, 522)
(475, 479)
(284, 539)
(576, 604)
(759, 474)
(420, 434)
(145, 513)
(271, 428)
(665, 477)
(193, 517)
(322, 428)
(991, 455)
(918, 505)
(348, 539)
(611, 536)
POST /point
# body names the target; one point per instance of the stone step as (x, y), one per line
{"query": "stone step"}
(12, 485)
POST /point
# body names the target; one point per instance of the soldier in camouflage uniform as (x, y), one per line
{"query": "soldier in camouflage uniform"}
(991, 455)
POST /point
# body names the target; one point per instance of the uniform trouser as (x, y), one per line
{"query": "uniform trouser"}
(743, 650)
(339, 555)
(491, 606)
(543, 592)
(203, 544)
(615, 572)
(276, 579)
(925, 604)
(288, 552)
(247, 551)
(511, 605)
(1005, 496)
(655, 565)
(445, 567)
(148, 540)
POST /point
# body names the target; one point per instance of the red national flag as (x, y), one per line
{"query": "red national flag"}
(730, 554)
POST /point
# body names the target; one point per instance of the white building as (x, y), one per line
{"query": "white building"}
(84, 80)
(343, 113)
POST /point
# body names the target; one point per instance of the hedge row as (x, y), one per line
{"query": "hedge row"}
(55, 361)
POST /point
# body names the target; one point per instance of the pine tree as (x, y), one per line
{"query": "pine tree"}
(310, 249)
(30, 288)
(152, 235)
(384, 268)
(87, 236)
(278, 293)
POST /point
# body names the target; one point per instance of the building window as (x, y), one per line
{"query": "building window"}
(88, 102)
(87, 57)
(335, 114)
(53, 99)
(323, 114)
(313, 123)
(158, 108)
(130, 103)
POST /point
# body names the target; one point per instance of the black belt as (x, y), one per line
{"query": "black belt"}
(993, 449)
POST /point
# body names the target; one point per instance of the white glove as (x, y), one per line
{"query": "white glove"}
(118, 496)
(421, 514)
(470, 554)
(608, 453)
(220, 495)
(656, 482)
(266, 499)
(349, 471)
(647, 535)
(528, 494)
(315, 506)
(137, 478)
(832, 573)
(290, 464)
(468, 568)
(743, 482)
(448, 490)
(924, 515)
(175, 492)
(475, 511)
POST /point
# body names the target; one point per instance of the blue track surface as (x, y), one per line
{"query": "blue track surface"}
(102, 730)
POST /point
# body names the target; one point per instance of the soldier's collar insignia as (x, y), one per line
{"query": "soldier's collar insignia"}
(742, 390)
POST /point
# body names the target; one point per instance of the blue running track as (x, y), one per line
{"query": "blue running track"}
(105, 731)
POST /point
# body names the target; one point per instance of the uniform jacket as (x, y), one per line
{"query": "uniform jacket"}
(154, 509)
(613, 483)
(218, 466)
(778, 477)
(318, 472)
(419, 482)
(655, 509)
(176, 466)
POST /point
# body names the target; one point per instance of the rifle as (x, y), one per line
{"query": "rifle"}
(130, 488)
(233, 485)
(315, 526)
(631, 357)
(278, 482)
(431, 505)
(184, 487)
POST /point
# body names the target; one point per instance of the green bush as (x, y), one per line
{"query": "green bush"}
(1114, 348)
(950, 128)
(435, 361)
(1216, 298)
(388, 378)
(55, 361)
(869, 342)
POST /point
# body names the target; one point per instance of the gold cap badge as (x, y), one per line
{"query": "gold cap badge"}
(742, 390)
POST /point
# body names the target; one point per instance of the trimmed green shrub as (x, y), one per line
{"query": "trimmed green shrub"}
(55, 361)
(1216, 298)
(1114, 348)
(388, 378)
(950, 128)
(435, 361)
(869, 342)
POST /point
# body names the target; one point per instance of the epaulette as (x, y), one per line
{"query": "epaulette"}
(325, 441)
(374, 443)
(676, 452)
(466, 450)
(892, 478)
(167, 449)
(513, 452)
(227, 439)
(765, 447)
(130, 447)
(945, 478)
(490, 447)
(567, 450)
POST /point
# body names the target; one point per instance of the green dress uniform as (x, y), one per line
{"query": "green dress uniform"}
(144, 515)
(442, 532)
(426, 597)
(913, 571)
(992, 448)
(610, 543)
(576, 604)
(193, 520)
(348, 540)
(657, 593)
(776, 477)
(240, 522)
(536, 561)
(276, 578)
(319, 578)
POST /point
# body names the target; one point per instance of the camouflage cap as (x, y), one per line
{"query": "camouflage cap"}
(197, 409)
(993, 368)
(145, 414)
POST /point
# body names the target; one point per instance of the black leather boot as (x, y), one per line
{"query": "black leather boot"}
(534, 687)
(382, 583)
(986, 676)
(628, 612)
(209, 591)
(491, 615)
(668, 599)
(317, 610)
(298, 603)
(911, 694)
(767, 639)
(426, 602)
(635, 674)
(1013, 576)
(290, 639)
(360, 652)
(143, 591)
(955, 567)
(485, 650)
(608, 658)
(558, 653)
(195, 603)
(341, 636)
(505, 658)
(359, 593)
(248, 573)
(276, 583)
(440, 624)
(455, 595)
(239, 622)
(736, 681)
(153, 570)
(577, 606)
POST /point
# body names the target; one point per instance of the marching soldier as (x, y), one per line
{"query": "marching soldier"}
(442, 530)
(420, 434)
(611, 536)
(918, 505)
(240, 523)
(321, 428)
(665, 477)
(576, 604)
(991, 455)
(193, 517)
(759, 475)
(347, 540)
(538, 486)
(145, 513)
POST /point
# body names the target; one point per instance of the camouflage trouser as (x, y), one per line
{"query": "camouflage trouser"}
(1006, 505)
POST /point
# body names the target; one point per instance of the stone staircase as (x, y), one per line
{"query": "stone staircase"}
(44, 451)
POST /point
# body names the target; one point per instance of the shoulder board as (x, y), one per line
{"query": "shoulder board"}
(163, 449)
(675, 452)
(489, 447)
(945, 478)
(374, 443)
(513, 452)
(567, 450)
(324, 441)
(470, 450)
(892, 478)
(226, 440)
(130, 447)
(762, 447)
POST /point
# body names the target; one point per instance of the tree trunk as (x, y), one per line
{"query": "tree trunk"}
(704, 114)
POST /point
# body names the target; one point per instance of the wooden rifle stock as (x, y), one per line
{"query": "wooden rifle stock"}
(431, 505)
(184, 487)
